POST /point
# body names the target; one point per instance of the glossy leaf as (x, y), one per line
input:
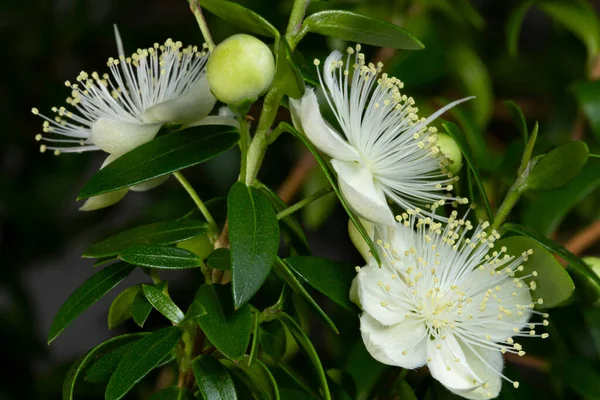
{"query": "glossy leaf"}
(163, 304)
(513, 26)
(287, 74)
(359, 28)
(332, 278)
(555, 248)
(228, 329)
(554, 285)
(241, 17)
(90, 356)
(141, 307)
(195, 310)
(173, 393)
(256, 377)
(559, 166)
(120, 309)
(254, 238)
(143, 357)
(161, 156)
(162, 257)
(587, 95)
(465, 149)
(273, 338)
(86, 295)
(102, 369)
(219, 259)
(310, 351)
(163, 232)
(213, 380)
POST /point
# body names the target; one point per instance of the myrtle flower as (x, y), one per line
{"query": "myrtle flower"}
(384, 150)
(443, 297)
(120, 111)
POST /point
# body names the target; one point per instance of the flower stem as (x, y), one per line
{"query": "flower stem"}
(304, 202)
(594, 155)
(201, 206)
(296, 17)
(197, 11)
(244, 138)
(509, 202)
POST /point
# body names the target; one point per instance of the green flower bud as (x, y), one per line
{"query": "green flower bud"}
(240, 69)
(450, 149)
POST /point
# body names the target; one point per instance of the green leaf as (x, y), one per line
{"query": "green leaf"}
(90, 356)
(102, 369)
(513, 26)
(120, 309)
(163, 304)
(159, 157)
(310, 351)
(143, 357)
(555, 248)
(162, 257)
(86, 295)
(587, 95)
(256, 377)
(213, 379)
(554, 285)
(254, 238)
(333, 182)
(141, 306)
(579, 374)
(288, 77)
(163, 232)
(272, 338)
(240, 16)
(173, 393)
(559, 166)
(285, 271)
(228, 329)
(404, 391)
(219, 259)
(332, 278)
(359, 28)
(517, 116)
(547, 210)
(465, 149)
(194, 311)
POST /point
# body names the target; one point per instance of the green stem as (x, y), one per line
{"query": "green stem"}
(304, 202)
(244, 136)
(296, 17)
(186, 185)
(197, 11)
(509, 202)
(274, 311)
(594, 155)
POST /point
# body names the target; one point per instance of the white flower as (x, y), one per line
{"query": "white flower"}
(444, 299)
(120, 111)
(385, 149)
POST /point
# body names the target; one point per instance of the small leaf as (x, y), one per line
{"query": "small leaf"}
(288, 77)
(559, 166)
(120, 309)
(310, 351)
(173, 393)
(161, 156)
(465, 149)
(517, 116)
(195, 311)
(163, 304)
(143, 357)
(213, 379)
(86, 295)
(163, 232)
(219, 259)
(228, 329)
(90, 356)
(359, 28)
(579, 374)
(241, 16)
(102, 369)
(254, 237)
(332, 278)
(554, 285)
(141, 307)
(256, 377)
(513, 26)
(273, 338)
(162, 257)
(587, 95)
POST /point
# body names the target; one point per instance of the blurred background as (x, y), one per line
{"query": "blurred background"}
(471, 49)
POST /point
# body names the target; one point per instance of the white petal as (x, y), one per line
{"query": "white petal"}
(377, 292)
(193, 105)
(115, 137)
(357, 239)
(214, 120)
(387, 344)
(354, 292)
(106, 199)
(317, 130)
(462, 371)
(361, 193)
(151, 184)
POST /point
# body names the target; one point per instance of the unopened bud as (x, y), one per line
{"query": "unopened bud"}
(451, 150)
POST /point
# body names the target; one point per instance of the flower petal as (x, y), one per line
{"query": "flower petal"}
(194, 104)
(401, 345)
(105, 199)
(359, 190)
(151, 184)
(117, 138)
(357, 239)
(317, 130)
(354, 292)
(462, 370)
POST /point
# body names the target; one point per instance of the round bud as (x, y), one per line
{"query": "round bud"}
(450, 149)
(240, 69)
